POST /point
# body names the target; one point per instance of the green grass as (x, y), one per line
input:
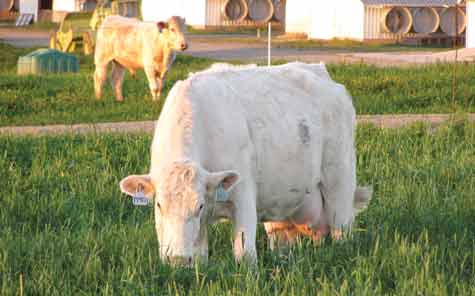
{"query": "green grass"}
(69, 98)
(67, 230)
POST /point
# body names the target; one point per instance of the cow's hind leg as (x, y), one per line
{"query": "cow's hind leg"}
(118, 72)
(100, 75)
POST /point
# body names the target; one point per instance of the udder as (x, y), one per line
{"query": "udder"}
(309, 220)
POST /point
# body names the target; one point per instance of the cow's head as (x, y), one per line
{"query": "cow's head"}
(185, 198)
(174, 31)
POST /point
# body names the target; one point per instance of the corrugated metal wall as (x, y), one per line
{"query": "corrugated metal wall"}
(372, 25)
(213, 12)
(214, 15)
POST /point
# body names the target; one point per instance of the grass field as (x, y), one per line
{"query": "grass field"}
(68, 98)
(249, 36)
(68, 231)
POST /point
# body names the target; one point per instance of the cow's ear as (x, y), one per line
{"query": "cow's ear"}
(135, 185)
(161, 26)
(226, 179)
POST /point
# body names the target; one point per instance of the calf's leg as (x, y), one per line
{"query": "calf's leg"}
(117, 78)
(100, 75)
(152, 82)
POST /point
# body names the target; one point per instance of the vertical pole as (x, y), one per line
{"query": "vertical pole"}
(455, 44)
(269, 33)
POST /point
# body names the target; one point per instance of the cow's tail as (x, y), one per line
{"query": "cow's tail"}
(362, 197)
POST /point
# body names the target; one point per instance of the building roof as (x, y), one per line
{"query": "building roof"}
(413, 2)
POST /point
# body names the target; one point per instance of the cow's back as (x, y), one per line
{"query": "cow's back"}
(121, 38)
(276, 119)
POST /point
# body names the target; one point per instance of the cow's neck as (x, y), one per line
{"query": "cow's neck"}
(177, 136)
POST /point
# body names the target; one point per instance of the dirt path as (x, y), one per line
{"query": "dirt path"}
(24, 38)
(147, 127)
(248, 50)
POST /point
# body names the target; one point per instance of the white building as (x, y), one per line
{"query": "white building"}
(53, 9)
(470, 34)
(373, 19)
(213, 13)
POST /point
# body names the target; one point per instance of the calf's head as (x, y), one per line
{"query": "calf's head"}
(174, 32)
(184, 199)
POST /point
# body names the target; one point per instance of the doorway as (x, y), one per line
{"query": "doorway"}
(46, 4)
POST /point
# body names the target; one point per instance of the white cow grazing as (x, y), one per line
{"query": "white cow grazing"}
(251, 144)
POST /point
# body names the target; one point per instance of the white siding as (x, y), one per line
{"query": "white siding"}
(470, 31)
(298, 16)
(195, 12)
(349, 19)
(64, 5)
(29, 6)
(214, 15)
(160, 10)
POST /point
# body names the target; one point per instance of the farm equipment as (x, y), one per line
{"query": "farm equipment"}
(78, 28)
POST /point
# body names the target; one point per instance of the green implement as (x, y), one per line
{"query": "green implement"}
(47, 60)
(78, 28)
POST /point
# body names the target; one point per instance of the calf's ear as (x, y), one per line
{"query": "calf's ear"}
(161, 26)
(134, 185)
(226, 179)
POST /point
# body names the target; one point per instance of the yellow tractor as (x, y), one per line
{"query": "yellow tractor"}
(78, 28)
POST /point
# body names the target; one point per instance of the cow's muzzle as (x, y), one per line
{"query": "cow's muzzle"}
(184, 46)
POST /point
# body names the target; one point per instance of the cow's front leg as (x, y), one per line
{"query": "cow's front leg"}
(161, 81)
(152, 82)
(160, 86)
(245, 225)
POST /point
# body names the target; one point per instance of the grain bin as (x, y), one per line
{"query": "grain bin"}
(396, 20)
(261, 11)
(47, 60)
(448, 22)
(426, 20)
(279, 10)
(235, 10)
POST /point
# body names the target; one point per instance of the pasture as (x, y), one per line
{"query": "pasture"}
(68, 98)
(67, 230)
